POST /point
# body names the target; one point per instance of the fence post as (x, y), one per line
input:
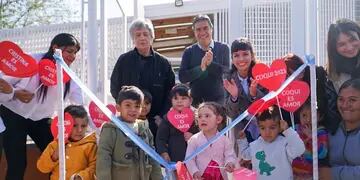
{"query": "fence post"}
(236, 19)
(298, 27)
(60, 92)
(92, 38)
(103, 81)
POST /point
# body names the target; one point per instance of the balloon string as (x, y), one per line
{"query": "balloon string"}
(252, 117)
(278, 102)
(35, 91)
(292, 120)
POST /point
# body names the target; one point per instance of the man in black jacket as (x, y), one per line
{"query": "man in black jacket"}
(147, 69)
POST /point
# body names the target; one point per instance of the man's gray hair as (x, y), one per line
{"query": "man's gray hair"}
(201, 17)
(142, 24)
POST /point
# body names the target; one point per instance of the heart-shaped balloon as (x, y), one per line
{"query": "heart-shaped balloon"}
(97, 116)
(47, 73)
(260, 105)
(294, 95)
(14, 62)
(181, 120)
(68, 125)
(270, 77)
(244, 174)
(182, 172)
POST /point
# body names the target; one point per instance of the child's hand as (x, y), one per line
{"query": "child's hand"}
(77, 177)
(283, 125)
(55, 155)
(245, 163)
(158, 120)
(230, 167)
(324, 173)
(166, 156)
(307, 129)
(187, 135)
(197, 176)
(242, 134)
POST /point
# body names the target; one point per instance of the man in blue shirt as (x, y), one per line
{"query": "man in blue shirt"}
(204, 63)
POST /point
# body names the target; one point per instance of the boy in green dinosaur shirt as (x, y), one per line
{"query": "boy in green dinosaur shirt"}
(272, 153)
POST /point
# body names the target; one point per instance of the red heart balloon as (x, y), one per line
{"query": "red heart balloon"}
(68, 125)
(182, 172)
(97, 116)
(270, 78)
(47, 73)
(181, 120)
(14, 62)
(260, 105)
(294, 95)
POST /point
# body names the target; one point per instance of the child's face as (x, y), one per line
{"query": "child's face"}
(242, 60)
(208, 120)
(146, 106)
(129, 110)
(305, 116)
(79, 129)
(180, 102)
(269, 129)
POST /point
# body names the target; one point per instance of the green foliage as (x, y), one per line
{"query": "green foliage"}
(21, 13)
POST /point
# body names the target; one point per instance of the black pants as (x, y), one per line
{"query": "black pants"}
(14, 140)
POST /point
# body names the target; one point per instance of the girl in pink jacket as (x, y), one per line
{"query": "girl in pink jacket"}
(220, 156)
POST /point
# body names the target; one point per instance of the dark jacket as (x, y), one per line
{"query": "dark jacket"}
(171, 140)
(327, 99)
(205, 85)
(153, 73)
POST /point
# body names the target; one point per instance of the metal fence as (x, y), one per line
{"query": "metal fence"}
(269, 24)
(37, 40)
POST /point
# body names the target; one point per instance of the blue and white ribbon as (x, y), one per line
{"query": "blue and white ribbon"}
(149, 150)
(123, 127)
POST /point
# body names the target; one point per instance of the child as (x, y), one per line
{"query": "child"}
(302, 166)
(171, 142)
(80, 150)
(293, 62)
(271, 154)
(118, 157)
(145, 109)
(218, 155)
